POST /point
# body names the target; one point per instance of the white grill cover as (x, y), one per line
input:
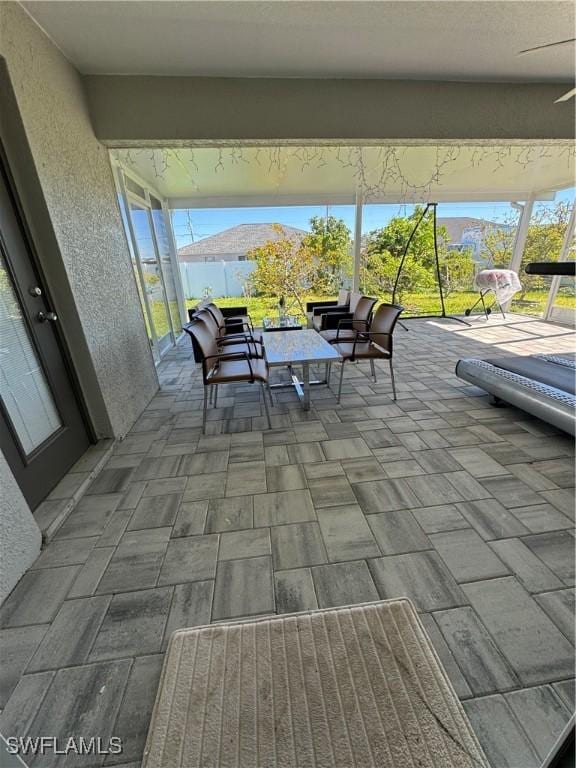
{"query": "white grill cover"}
(504, 282)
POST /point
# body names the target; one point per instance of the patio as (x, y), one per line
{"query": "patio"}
(462, 507)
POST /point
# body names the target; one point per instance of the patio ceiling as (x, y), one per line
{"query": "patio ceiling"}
(414, 40)
(291, 175)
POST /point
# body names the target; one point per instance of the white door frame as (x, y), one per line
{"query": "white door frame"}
(134, 199)
(135, 251)
(150, 190)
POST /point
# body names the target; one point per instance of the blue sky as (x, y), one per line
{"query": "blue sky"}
(209, 221)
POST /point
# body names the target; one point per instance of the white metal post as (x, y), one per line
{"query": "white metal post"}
(564, 251)
(357, 240)
(520, 239)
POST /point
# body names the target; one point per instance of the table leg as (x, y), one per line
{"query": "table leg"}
(306, 386)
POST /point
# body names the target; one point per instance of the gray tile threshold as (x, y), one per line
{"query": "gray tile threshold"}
(53, 512)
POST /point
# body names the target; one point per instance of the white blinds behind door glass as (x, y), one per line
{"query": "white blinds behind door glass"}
(23, 386)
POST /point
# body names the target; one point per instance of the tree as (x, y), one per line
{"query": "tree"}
(456, 270)
(394, 236)
(285, 268)
(385, 247)
(498, 241)
(330, 244)
(378, 271)
(543, 241)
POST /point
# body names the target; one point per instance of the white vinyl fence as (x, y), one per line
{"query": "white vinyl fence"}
(222, 278)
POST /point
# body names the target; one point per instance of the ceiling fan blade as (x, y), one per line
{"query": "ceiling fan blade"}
(567, 96)
(548, 45)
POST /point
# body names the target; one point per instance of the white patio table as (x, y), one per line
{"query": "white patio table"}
(301, 348)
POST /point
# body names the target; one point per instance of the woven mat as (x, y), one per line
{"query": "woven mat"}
(354, 686)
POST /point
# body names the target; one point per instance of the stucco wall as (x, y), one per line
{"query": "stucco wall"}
(20, 537)
(74, 171)
(161, 109)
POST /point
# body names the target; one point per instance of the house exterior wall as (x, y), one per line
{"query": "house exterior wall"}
(105, 321)
(20, 537)
(65, 184)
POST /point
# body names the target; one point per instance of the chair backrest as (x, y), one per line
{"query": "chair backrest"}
(208, 319)
(204, 337)
(362, 313)
(216, 313)
(353, 301)
(343, 297)
(383, 324)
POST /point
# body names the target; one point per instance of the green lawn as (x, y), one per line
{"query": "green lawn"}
(258, 308)
(416, 303)
(535, 302)
(160, 319)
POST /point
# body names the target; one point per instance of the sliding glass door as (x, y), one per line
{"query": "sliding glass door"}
(154, 262)
(152, 277)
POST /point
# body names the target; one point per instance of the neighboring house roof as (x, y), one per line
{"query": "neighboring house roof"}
(239, 239)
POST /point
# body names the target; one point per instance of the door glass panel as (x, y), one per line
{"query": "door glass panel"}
(24, 389)
(544, 241)
(164, 250)
(151, 271)
(135, 188)
(563, 289)
(135, 268)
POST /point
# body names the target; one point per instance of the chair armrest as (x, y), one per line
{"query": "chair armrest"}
(233, 315)
(234, 338)
(357, 336)
(236, 324)
(369, 334)
(247, 338)
(327, 310)
(229, 356)
(250, 323)
(230, 312)
(311, 305)
(374, 333)
(352, 334)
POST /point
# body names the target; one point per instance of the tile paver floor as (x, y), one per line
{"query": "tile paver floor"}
(465, 508)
